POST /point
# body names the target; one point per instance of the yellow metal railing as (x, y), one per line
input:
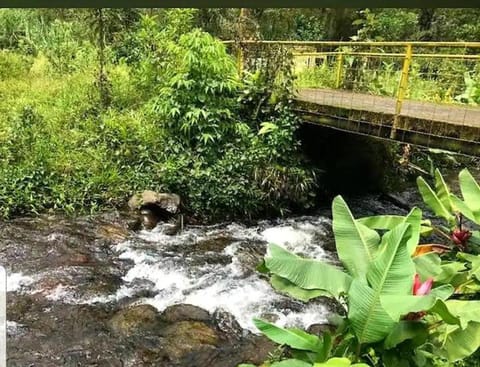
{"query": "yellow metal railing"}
(440, 72)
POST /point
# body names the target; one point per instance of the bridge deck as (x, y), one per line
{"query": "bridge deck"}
(452, 114)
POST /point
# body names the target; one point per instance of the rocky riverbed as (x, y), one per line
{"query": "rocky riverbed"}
(88, 292)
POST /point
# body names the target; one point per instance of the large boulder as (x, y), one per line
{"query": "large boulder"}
(185, 312)
(150, 199)
(135, 320)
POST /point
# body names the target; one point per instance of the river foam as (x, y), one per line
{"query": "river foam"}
(195, 278)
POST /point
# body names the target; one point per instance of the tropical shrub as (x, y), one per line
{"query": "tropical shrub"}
(453, 210)
(181, 126)
(394, 300)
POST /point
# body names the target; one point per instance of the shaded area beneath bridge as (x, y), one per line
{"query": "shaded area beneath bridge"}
(350, 163)
(373, 115)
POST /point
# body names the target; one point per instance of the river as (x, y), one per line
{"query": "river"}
(87, 292)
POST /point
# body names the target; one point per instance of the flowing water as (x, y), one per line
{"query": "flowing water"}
(68, 278)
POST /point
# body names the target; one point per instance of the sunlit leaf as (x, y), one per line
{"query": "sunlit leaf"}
(306, 273)
(294, 338)
(432, 200)
(356, 243)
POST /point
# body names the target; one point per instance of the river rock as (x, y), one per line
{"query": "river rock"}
(252, 350)
(320, 329)
(113, 232)
(227, 324)
(135, 319)
(215, 244)
(250, 255)
(185, 312)
(184, 337)
(165, 201)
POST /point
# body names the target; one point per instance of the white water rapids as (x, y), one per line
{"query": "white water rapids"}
(176, 270)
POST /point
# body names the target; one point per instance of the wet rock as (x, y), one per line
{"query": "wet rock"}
(256, 349)
(185, 312)
(80, 309)
(79, 259)
(250, 255)
(112, 232)
(172, 229)
(270, 317)
(21, 307)
(253, 350)
(100, 281)
(333, 306)
(135, 319)
(166, 201)
(227, 324)
(134, 224)
(216, 244)
(184, 337)
(319, 329)
(288, 305)
(149, 218)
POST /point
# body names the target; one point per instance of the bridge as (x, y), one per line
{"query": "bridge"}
(420, 93)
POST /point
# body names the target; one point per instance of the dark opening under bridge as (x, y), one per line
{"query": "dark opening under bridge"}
(421, 93)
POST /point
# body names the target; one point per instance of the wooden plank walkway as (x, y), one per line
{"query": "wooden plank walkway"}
(452, 114)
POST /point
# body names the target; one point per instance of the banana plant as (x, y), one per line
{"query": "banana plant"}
(469, 206)
(438, 199)
(446, 205)
(376, 281)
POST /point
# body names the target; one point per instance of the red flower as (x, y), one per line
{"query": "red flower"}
(421, 289)
(461, 236)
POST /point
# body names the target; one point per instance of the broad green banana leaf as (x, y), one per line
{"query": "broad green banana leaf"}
(307, 273)
(460, 343)
(283, 285)
(471, 193)
(463, 208)
(391, 273)
(428, 265)
(475, 239)
(466, 311)
(294, 338)
(417, 331)
(474, 261)
(356, 243)
(399, 305)
(471, 286)
(339, 362)
(432, 200)
(393, 270)
(443, 191)
(291, 363)
(453, 273)
(370, 322)
(388, 222)
(383, 222)
(414, 218)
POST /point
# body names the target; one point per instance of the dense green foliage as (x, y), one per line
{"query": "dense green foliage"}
(161, 107)
(99, 103)
(432, 24)
(391, 317)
